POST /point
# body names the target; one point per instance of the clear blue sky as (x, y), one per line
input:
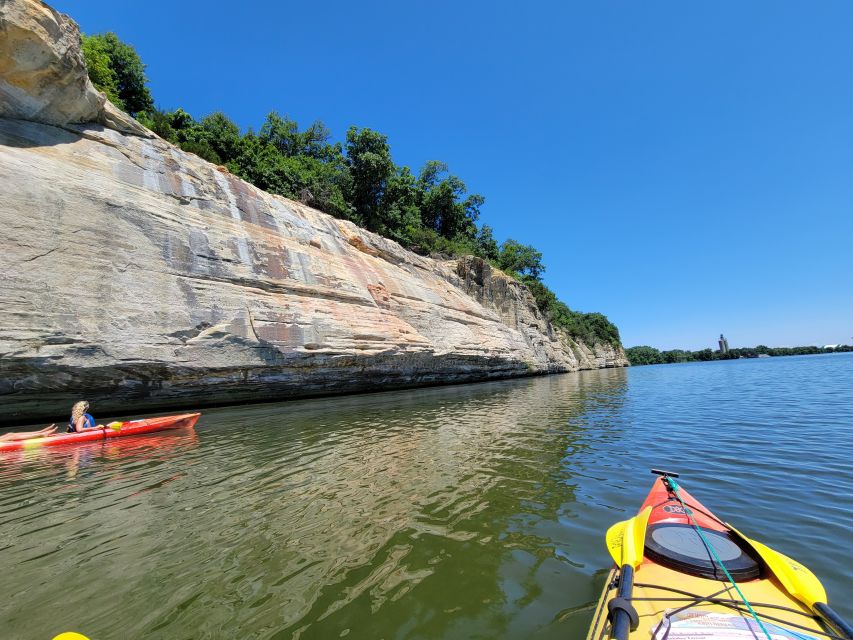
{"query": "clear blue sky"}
(686, 168)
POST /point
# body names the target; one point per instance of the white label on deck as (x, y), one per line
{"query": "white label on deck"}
(717, 626)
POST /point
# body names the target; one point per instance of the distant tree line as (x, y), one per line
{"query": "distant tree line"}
(650, 355)
(430, 212)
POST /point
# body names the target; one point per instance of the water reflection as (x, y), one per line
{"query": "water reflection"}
(429, 513)
(30, 464)
(458, 512)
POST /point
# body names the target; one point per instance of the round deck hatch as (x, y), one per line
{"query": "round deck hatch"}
(679, 547)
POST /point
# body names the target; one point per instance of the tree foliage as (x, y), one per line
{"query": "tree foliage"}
(592, 328)
(99, 65)
(521, 259)
(116, 69)
(649, 355)
(370, 168)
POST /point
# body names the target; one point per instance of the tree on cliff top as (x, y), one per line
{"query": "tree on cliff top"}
(521, 259)
(116, 69)
(443, 208)
(370, 169)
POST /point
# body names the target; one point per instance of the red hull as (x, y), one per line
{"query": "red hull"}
(131, 428)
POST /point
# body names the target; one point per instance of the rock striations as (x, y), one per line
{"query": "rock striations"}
(141, 277)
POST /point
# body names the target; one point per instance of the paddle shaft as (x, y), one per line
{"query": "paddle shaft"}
(834, 619)
(621, 626)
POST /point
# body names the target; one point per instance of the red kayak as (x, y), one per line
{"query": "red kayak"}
(115, 430)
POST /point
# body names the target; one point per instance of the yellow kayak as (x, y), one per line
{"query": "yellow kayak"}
(682, 574)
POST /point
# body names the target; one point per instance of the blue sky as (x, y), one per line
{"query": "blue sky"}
(685, 168)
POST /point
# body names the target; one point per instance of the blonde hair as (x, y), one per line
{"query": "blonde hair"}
(78, 410)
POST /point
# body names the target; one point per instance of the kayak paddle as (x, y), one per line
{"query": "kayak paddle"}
(626, 542)
(798, 581)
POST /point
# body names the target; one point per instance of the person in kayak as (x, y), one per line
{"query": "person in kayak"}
(80, 420)
(26, 435)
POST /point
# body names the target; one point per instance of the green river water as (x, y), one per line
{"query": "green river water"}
(473, 511)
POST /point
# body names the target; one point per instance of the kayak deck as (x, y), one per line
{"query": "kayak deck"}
(654, 595)
(677, 582)
(129, 428)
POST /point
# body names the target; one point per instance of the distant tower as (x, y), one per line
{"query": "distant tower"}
(724, 344)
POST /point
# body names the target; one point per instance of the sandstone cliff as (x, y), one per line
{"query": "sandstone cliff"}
(142, 277)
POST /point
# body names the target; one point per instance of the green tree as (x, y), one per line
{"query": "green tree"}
(400, 207)
(312, 181)
(370, 169)
(521, 259)
(284, 135)
(676, 355)
(487, 246)
(101, 73)
(442, 206)
(160, 122)
(643, 355)
(221, 134)
(597, 325)
(180, 128)
(125, 81)
(591, 328)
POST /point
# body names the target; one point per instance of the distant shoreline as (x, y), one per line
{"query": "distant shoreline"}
(643, 355)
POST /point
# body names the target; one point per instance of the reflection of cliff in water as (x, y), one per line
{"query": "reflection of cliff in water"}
(531, 571)
(457, 496)
(443, 508)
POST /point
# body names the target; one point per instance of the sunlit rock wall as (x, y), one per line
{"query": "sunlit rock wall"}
(141, 277)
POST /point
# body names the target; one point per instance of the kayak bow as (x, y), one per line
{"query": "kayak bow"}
(680, 572)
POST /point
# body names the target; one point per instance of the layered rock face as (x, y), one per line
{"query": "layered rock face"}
(141, 277)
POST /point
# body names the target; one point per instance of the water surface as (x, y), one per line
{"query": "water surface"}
(473, 511)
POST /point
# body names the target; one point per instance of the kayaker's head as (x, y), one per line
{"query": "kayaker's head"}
(78, 410)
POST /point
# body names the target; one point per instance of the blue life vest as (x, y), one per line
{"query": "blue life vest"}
(90, 422)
